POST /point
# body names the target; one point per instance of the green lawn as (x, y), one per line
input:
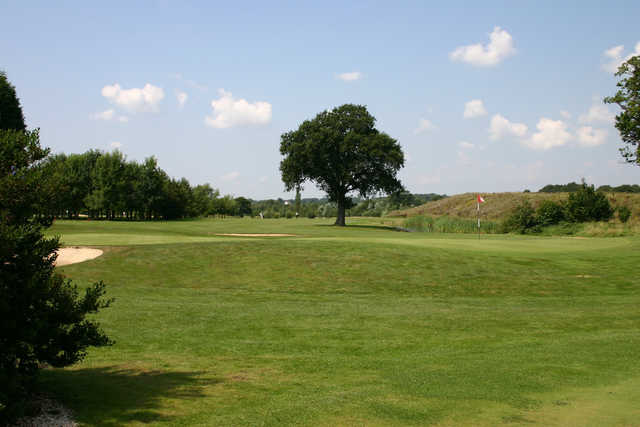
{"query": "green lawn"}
(355, 326)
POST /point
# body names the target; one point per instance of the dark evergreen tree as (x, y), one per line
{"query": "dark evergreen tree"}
(342, 152)
(42, 316)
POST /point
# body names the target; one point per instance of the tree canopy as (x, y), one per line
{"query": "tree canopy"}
(342, 152)
(628, 99)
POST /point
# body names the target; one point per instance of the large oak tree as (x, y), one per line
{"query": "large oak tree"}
(342, 152)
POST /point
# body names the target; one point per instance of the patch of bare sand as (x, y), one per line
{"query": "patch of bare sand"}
(76, 254)
(256, 234)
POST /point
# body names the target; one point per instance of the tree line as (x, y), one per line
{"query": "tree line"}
(572, 187)
(105, 185)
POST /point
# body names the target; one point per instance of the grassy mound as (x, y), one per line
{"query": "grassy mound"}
(498, 206)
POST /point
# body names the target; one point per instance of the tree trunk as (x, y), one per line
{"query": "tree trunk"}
(341, 210)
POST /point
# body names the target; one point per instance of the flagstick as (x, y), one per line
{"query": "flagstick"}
(478, 219)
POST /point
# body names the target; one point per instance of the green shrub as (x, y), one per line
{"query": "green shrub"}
(311, 215)
(550, 213)
(522, 219)
(624, 213)
(586, 204)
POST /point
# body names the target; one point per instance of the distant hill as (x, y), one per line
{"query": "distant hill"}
(498, 206)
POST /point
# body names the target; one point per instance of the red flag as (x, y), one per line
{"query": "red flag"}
(480, 199)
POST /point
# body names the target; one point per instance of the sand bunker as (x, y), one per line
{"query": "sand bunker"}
(68, 256)
(256, 235)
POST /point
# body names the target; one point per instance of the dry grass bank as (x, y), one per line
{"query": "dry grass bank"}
(497, 206)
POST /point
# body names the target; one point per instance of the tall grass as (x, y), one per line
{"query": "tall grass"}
(447, 224)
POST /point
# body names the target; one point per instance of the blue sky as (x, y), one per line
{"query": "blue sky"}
(484, 98)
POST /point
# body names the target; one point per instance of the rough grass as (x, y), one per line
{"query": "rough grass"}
(447, 224)
(355, 326)
(498, 206)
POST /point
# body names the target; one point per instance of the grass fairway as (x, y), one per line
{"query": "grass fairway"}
(355, 326)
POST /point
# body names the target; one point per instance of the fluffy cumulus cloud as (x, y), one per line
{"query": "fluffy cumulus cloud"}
(229, 112)
(500, 47)
(551, 133)
(182, 98)
(465, 145)
(598, 113)
(116, 145)
(615, 57)
(590, 137)
(350, 77)
(500, 127)
(134, 100)
(424, 125)
(474, 108)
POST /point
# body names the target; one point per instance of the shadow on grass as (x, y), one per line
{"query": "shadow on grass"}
(363, 227)
(114, 396)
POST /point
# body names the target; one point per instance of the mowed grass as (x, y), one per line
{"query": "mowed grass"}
(354, 326)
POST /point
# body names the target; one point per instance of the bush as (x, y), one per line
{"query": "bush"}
(624, 213)
(522, 219)
(586, 204)
(550, 213)
(311, 215)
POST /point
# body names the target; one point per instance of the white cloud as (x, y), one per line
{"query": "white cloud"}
(104, 115)
(263, 179)
(474, 108)
(229, 112)
(109, 115)
(350, 77)
(465, 144)
(500, 47)
(590, 137)
(551, 133)
(615, 57)
(134, 100)
(598, 113)
(115, 145)
(423, 126)
(501, 127)
(231, 176)
(182, 98)
(565, 114)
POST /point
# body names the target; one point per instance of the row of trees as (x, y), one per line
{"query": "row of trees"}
(573, 187)
(106, 185)
(315, 207)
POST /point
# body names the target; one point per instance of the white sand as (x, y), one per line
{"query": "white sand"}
(76, 254)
